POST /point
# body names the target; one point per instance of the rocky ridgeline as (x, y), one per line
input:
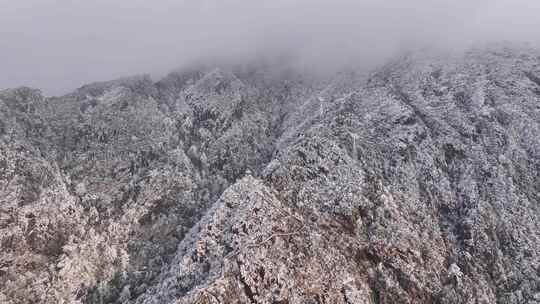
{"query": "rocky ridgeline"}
(417, 183)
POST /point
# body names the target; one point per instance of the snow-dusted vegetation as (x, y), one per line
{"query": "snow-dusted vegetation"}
(416, 183)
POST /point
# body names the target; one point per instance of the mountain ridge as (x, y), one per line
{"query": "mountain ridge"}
(417, 183)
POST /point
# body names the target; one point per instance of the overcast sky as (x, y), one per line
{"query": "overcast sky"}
(59, 45)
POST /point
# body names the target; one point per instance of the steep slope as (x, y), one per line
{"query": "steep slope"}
(115, 174)
(419, 183)
(446, 183)
(420, 187)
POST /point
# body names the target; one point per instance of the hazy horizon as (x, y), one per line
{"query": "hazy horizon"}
(60, 45)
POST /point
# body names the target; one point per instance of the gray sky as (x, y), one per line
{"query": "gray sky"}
(59, 45)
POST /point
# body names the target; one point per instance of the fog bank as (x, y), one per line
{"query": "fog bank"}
(58, 45)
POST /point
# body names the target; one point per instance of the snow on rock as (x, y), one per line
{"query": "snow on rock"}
(417, 183)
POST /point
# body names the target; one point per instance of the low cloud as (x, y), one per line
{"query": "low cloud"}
(58, 45)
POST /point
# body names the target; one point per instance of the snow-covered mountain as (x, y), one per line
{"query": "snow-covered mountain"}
(416, 183)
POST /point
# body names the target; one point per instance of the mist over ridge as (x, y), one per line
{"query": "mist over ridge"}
(285, 152)
(60, 45)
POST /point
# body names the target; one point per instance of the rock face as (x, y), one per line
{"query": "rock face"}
(417, 183)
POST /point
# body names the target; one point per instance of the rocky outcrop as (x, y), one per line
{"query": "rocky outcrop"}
(418, 183)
